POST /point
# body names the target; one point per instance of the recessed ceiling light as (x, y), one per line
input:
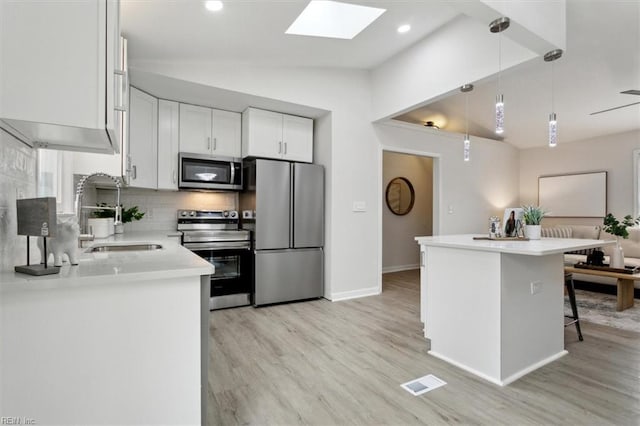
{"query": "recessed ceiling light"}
(213, 5)
(333, 19)
(404, 28)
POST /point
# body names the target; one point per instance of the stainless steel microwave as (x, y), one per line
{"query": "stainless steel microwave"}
(199, 171)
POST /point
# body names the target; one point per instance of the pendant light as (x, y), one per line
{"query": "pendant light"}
(553, 122)
(466, 151)
(498, 26)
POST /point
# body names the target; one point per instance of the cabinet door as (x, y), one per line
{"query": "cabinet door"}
(57, 73)
(263, 136)
(195, 129)
(297, 135)
(226, 133)
(168, 134)
(143, 139)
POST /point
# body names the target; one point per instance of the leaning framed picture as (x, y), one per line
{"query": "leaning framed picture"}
(513, 222)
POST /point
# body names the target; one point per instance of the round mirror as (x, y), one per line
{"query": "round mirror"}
(400, 196)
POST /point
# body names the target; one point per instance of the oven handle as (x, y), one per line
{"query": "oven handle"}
(218, 246)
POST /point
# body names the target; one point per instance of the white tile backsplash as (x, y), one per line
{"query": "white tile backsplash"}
(17, 180)
(160, 207)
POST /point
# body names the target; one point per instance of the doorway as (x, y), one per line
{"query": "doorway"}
(408, 210)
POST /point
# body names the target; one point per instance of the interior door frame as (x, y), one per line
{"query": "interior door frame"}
(437, 194)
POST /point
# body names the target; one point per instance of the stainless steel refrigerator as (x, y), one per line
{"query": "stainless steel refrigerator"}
(283, 206)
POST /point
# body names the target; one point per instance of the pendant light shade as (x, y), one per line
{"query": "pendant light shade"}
(553, 130)
(497, 26)
(499, 114)
(466, 145)
(553, 121)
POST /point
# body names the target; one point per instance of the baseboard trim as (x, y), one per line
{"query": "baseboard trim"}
(354, 294)
(399, 268)
(497, 381)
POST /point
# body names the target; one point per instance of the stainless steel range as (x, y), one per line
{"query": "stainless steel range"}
(214, 236)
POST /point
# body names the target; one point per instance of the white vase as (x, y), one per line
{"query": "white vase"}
(616, 259)
(532, 232)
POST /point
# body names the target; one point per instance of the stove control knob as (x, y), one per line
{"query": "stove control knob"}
(233, 214)
(225, 214)
(183, 213)
(192, 214)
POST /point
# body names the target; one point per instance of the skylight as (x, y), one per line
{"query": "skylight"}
(323, 18)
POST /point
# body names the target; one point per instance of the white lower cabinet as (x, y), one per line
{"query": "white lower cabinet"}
(143, 140)
(168, 148)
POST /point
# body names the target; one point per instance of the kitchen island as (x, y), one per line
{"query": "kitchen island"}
(495, 308)
(120, 338)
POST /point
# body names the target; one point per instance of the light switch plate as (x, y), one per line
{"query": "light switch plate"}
(359, 206)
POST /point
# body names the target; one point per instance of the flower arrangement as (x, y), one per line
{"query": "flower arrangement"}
(128, 215)
(615, 227)
(533, 214)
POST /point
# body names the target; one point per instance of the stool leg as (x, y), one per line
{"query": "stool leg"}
(574, 308)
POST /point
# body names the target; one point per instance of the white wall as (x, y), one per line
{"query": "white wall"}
(461, 52)
(473, 191)
(351, 246)
(612, 154)
(399, 250)
(17, 180)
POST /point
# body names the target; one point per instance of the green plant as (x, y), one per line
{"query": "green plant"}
(128, 215)
(615, 227)
(533, 214)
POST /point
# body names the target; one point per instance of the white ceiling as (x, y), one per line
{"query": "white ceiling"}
(253, 31)
(602, 58)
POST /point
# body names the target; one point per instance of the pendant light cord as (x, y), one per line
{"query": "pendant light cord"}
(466, 113)
(552, 100)
(499, 58)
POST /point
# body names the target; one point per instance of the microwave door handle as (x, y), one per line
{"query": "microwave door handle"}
(233, 174)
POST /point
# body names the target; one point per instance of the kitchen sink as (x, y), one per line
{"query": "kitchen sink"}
(101, 248)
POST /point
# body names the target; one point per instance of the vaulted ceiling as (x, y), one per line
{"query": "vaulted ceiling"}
(602, 58)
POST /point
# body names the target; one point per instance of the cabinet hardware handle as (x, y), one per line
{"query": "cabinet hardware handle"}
(124, 83)
(135, 172)
(279, 147)
(174, 176)
(422, 259)
(285, 148)
(215, 143)
(208, 143)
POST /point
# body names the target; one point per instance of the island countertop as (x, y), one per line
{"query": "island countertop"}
(541, 247)
(172, 261)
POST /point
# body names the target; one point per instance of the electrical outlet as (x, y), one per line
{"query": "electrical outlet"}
(536, 287)
(450, 210)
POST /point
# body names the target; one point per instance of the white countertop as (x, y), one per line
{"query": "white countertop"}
(171, 261)
(540, 247)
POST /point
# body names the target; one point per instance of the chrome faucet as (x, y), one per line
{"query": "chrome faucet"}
(82, 220)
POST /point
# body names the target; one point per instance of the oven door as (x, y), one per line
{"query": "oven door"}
(231, 281)
(206, 172)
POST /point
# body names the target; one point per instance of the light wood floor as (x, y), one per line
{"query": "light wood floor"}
(327, 363)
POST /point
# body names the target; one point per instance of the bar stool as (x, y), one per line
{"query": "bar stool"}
(568, 282)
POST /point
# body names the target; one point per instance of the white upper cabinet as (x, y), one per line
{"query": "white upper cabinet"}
(297, 137)
(195, 129)
(226, 131)
(209, 131)
(168, 137)
(273, 135)
(61, 80)
(143, 140)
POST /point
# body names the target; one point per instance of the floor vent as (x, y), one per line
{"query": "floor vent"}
(423, 384)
